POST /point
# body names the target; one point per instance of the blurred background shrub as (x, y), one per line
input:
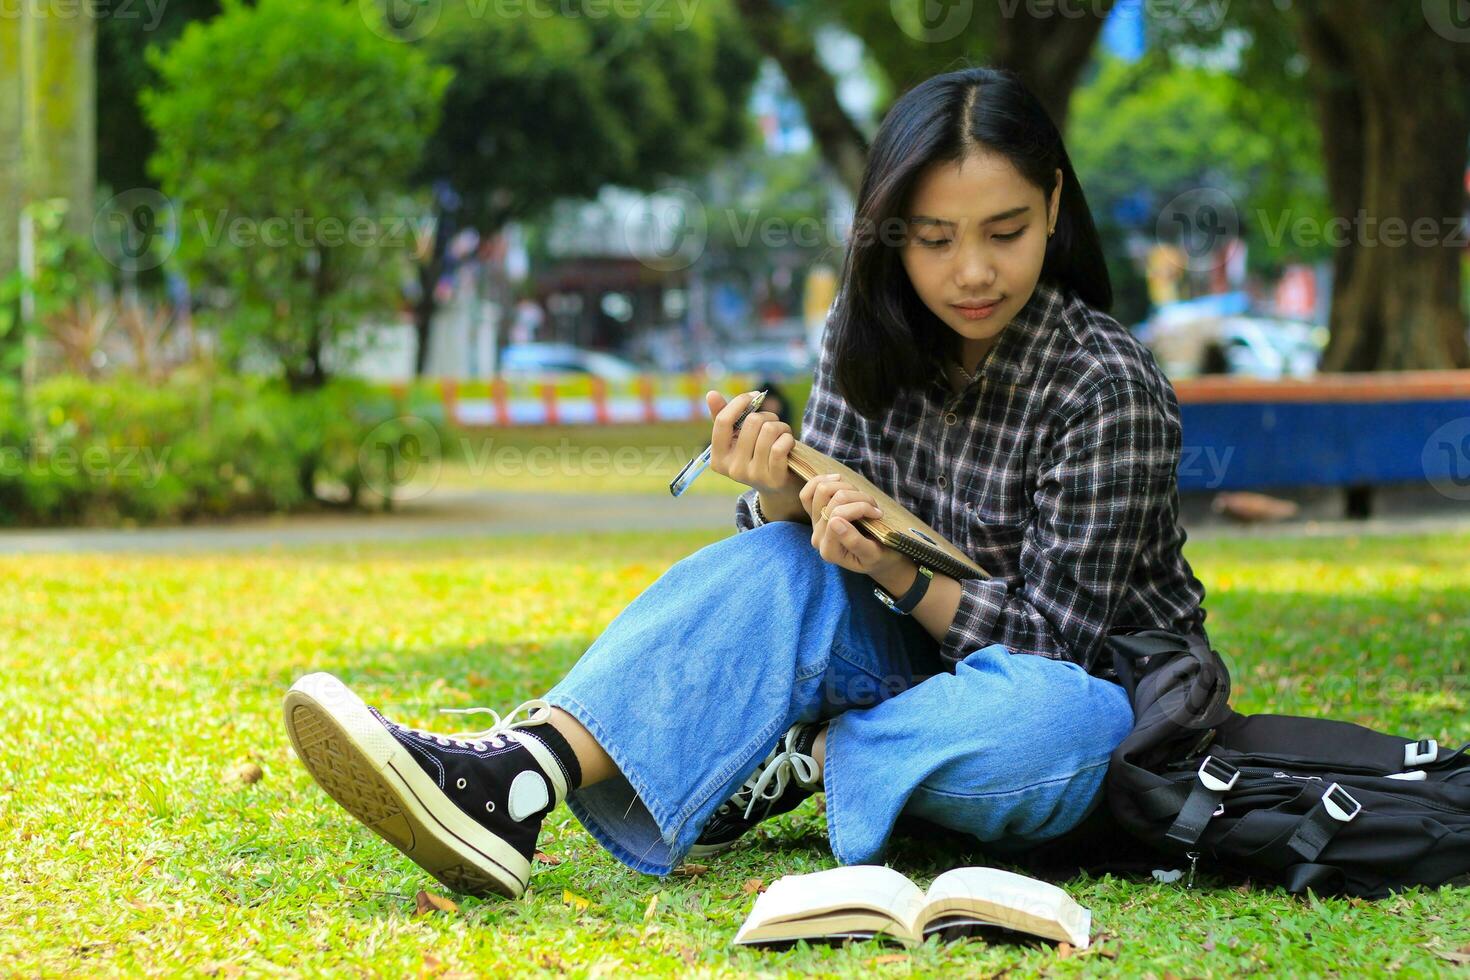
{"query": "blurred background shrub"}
(122, 450)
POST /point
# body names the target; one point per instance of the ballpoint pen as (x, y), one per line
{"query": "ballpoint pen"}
(698, 464)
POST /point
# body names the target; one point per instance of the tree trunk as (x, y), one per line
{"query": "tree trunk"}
(1339, 97)
(427, 305)
(1049, 53)
(1395, 163)
(843, 145)
(48, 114)
(310, 374)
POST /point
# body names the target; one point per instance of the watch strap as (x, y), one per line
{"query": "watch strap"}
(909, 601)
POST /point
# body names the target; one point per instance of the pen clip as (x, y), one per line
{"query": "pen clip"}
(755, 403)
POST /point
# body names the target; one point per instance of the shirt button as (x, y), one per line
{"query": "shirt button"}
(943, 483)
(951, 418)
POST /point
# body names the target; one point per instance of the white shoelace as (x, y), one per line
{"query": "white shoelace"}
(776, 773)
(538, 712)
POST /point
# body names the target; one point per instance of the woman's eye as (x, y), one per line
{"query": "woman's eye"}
(1011, 236)
(934, 243)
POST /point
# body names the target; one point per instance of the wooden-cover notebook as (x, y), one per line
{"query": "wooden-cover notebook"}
(898, 528)
(864, 901)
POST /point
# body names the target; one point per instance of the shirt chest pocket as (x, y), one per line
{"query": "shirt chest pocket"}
(996, 547)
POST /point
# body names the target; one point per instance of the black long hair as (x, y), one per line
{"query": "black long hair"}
(886, 338)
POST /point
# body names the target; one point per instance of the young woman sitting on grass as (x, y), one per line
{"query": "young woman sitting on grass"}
(970, 370)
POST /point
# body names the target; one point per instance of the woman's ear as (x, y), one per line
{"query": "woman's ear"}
(1054, 205)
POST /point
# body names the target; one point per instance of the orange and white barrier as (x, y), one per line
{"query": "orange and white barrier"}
(580, 399)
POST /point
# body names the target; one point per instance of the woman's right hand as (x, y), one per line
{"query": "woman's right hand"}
(755, 456)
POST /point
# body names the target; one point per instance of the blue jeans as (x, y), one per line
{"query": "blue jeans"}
(695, 681)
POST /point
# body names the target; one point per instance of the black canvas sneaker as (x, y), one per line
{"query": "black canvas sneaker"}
(466, 808)
(785, 777)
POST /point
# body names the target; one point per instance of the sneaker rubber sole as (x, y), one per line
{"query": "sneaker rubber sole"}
(702, 851)
(359, 763)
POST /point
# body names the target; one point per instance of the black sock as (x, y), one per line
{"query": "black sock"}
(806, 740)
(562, 749)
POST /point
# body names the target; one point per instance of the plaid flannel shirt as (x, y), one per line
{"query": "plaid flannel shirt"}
(1054, 468)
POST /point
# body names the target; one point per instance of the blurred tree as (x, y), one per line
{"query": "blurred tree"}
(1047, 45)
(1390, 84)
(282, 131)
(557, 103)
(47, 107)
(1146, 132)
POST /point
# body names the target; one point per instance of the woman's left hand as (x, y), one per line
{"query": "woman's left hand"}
(834, 504)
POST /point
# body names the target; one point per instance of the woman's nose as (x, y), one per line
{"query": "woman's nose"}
(973, 269)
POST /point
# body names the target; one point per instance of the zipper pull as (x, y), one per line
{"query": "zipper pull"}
(1193, 860)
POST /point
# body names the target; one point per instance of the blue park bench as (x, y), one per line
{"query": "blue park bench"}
(1353, 431)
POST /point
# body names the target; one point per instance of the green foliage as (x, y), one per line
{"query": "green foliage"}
(125, 450)
(562, 98)
(1158, 128)
(68, 270)
(283, 131)
(135, 685)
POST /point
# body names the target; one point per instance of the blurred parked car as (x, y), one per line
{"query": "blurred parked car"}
(778, 359)
(557, 358)
(1246, 345)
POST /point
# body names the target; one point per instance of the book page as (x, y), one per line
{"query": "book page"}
(860, 886)
(1011, 900)
(833, 926)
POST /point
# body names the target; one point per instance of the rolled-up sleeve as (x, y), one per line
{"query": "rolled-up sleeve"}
(747, 513)
(828, 424)
(1112, 463)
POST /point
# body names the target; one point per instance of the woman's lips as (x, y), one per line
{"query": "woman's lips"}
(977, 312)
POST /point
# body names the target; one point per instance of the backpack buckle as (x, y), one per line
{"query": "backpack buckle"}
(1219, 777)
(1344, 807)
(1420, 752)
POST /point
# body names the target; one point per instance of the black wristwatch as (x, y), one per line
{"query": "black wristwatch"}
(910, 600)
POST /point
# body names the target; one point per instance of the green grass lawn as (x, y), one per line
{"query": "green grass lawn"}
(628, 459)
(136, 686)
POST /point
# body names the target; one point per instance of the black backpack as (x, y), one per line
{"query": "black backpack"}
(1302, 802)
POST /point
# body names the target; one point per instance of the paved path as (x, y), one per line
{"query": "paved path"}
(442, 515)
(481, 514)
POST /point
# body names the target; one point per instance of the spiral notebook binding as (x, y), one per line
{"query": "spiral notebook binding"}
(931, 556)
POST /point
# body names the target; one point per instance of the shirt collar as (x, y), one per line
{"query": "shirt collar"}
(1012, 359)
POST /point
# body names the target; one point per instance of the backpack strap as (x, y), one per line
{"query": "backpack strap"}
(1216, 778)
(1320, 824)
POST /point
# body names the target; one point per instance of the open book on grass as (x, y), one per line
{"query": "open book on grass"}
(862, 900)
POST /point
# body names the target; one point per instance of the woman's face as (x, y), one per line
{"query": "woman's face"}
(976, 239)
